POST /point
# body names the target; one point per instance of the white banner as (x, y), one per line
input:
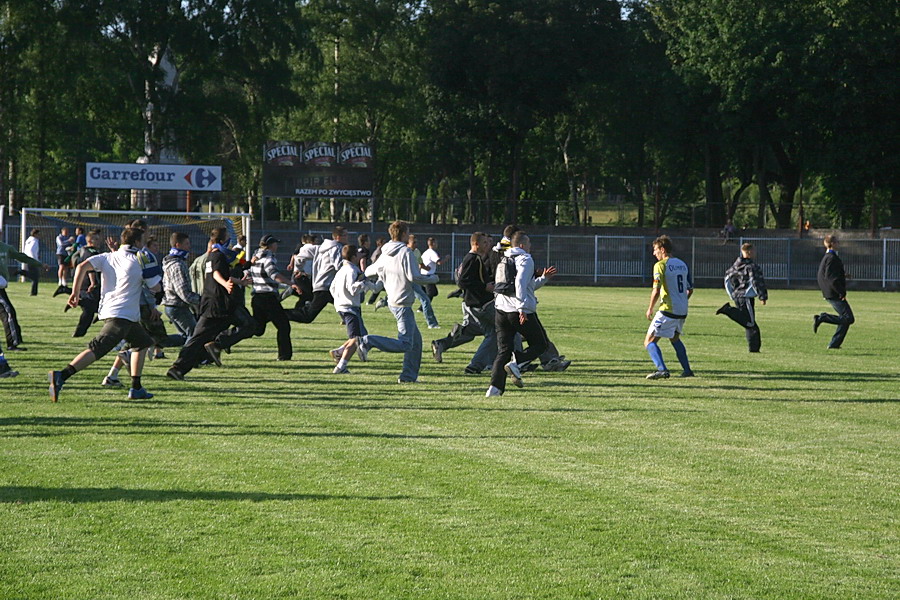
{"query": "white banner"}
(127, 176)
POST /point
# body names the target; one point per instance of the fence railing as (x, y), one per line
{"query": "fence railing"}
(621, 259)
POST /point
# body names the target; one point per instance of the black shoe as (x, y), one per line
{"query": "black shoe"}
(471, 371)
(723, 308)
(59, 290)
(175, 374)
(16, 349)
(817, 320)
(215, 353)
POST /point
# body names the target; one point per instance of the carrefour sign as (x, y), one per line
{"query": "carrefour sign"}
(127, 176)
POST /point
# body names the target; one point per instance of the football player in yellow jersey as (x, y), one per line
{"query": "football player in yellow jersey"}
(671, 288)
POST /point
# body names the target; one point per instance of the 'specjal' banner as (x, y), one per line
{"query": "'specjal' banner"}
(317, 170)
(130, 176)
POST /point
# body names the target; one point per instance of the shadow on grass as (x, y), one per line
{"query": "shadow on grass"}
(27, 494)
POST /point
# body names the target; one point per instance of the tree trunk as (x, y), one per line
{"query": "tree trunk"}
(715, 199)
(637, 196)
(789, 182)
(512, 199)
(765, 198)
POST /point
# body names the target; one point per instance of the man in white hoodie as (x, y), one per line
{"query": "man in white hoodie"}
(516, 307)
(326, 262)
(397, 269)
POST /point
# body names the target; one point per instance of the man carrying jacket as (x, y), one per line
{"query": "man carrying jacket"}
(833, 283)
(744, 281)
(325, 264)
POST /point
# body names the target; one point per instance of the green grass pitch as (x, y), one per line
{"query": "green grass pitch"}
(771, 475)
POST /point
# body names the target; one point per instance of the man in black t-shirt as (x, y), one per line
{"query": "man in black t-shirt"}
(89, 298)
(220, 308)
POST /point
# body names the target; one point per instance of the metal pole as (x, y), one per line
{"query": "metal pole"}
(453, 255)
(299, 214)
(790, 260)
(596, 243)
(548, 251)
(883, 263)
(694, 256)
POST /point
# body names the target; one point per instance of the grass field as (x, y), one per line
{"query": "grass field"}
(772, 475)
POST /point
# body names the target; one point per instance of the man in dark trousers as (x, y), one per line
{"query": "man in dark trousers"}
(833, 283)
(326, 262)
(220, 308)
(475, 282)
(744, 281)
(89, 297)
(266, 300)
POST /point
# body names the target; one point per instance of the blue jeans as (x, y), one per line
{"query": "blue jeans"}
(409, 341)
(419, 291)
(183, 320)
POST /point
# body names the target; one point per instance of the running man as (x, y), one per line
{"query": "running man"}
(671, 288)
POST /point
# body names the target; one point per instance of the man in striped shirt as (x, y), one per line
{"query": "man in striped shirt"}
(180, 301)
(266, 300)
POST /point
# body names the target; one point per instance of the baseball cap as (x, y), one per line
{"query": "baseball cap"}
(269, 239)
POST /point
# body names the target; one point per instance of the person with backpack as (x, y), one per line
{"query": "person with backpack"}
(516, 312)
(325, 264)
(744, 282)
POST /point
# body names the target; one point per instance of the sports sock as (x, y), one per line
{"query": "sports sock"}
(136, 382)
(113, 373)
(681, 353)
(342, 364)
(656, 356)
(68, 372)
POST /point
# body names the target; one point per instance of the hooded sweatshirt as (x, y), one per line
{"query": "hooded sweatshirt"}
(398, 270)
(348, 287)
(524, 301)
(325, 264)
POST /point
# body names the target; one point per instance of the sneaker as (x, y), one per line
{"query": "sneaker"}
(687, 374)
(492, 391)
(56, 385)
(437, 352)
(361, 349)
(817, 320)
(434, 327)
(159, 355)
(5, 370)
(341, 371)
(401, 380)
(112, 382)
(175, 374)
(551, 364)
(125, 356)
(512, 369)
(471, 371)
(381, 304)
(562, 365)
(141, 394)
(215, 353)
(723, 308)
(658, 375)
(336, 354)
(419, 310)
(59, 290)
(16, 349)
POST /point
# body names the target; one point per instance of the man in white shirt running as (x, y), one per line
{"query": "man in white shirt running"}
(122, 284)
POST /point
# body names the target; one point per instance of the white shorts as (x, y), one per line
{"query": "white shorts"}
(665, 327)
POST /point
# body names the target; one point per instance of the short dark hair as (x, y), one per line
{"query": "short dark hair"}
(518, 237)
(131, 236)
(476, 237)
(363, 238)
(138, 224)
(664, 242)
(337, 232)
(35, 232)
(746, 247)
(150, 240)
(178, 237)
(831, 240)
(510, 230)
(218, 235)
(348, 252)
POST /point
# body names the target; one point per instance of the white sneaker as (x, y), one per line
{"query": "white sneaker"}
(340, 371)
(434, 327)
(361, 349)
(492, 391)
(658, 375)
(512, 369)
(111, 382)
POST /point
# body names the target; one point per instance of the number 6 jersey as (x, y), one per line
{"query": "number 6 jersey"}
(673, 276)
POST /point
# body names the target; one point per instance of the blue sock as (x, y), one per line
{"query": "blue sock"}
(681, 353)
(656, 356)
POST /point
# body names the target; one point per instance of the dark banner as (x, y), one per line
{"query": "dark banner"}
(317, 170)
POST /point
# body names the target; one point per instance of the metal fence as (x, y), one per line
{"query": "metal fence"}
(624, 260)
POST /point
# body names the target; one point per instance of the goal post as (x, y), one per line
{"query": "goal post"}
(160, 224)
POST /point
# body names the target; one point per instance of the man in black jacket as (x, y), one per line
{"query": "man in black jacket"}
(833, 283)
(474, 280)
(744, 281)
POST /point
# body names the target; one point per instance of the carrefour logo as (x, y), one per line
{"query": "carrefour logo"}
(154, 177)
(204, 179)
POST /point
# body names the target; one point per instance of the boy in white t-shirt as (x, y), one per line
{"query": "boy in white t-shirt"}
(348, 288)
(120, 296)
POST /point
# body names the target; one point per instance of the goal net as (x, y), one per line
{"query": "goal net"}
(161, 225)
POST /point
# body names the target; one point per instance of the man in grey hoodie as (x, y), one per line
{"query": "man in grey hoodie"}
(397, 269)
(326, 262)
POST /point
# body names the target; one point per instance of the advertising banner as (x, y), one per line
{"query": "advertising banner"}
(317, 170)
(129, 176)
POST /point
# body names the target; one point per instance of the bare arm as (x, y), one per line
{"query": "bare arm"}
(80, 273)
(228, 284)
(654, 298)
